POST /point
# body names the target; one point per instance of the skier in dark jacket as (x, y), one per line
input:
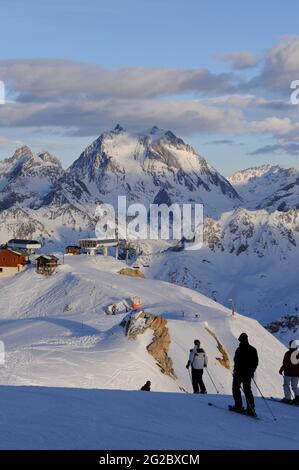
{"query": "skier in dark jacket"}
(245, 364)
(290, 371)
(146, 387)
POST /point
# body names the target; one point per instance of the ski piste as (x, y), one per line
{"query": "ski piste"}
(257, 418)
(278, 400)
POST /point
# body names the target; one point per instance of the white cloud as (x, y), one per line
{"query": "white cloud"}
(281, 67)
(53, 80)
(85, 99)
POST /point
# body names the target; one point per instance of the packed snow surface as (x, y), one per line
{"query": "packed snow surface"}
(61, 418)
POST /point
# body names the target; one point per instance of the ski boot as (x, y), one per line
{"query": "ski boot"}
(250, 412)
(286, 400)
(237, 409)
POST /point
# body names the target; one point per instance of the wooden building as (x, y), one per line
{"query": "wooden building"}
(46, 264)
(73, 250)
(12, 261)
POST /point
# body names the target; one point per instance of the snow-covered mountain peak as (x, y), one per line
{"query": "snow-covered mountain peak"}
(118, 129)
(49, 159)
(24, 161)
(25, 178)
(142, 164)
(21, 152)
(269, 172)
(268, 186)
(14, 164)
(156, 133)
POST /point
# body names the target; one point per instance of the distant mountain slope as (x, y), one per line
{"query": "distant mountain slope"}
(249, 256)
(38, 199)
(285, 198)
(269, 187)
(25, 178)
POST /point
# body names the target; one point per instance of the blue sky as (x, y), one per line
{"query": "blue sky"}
(145, 38)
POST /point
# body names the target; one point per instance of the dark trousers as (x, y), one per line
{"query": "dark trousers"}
(197, 381)
(245, 383)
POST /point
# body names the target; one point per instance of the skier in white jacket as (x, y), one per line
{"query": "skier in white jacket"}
(198, 360)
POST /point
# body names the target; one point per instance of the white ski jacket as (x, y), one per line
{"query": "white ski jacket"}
(198, 359)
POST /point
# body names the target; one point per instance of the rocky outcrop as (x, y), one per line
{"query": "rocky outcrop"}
(131, 272)
(224, 360)
(137, 323)
(286, 323)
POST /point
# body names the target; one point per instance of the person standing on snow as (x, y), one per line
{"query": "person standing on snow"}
(198, 360)
(245, 364)
(147, 386)
(290, 371)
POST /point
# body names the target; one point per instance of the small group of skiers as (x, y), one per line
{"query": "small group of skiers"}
(245, 364)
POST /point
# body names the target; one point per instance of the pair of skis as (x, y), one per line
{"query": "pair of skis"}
(292, 403)
(233, 410)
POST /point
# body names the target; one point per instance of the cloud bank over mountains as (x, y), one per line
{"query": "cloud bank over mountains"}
(252, 97)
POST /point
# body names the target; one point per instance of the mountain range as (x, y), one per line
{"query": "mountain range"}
(251, 229)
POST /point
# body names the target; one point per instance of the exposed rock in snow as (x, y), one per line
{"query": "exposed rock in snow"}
(138, 323)
(224, 359)
(285, 328)
(132, 272)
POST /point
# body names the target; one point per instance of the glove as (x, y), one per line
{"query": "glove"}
(281, 371)
(205, 365)
(188, 365)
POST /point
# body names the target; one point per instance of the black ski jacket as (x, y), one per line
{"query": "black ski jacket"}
(246, 360)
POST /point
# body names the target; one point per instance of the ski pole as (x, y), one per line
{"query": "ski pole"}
(190, 375)
(212, 380)
(266, 403)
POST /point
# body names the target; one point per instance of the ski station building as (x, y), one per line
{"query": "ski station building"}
(28, 246)
(93, 245)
